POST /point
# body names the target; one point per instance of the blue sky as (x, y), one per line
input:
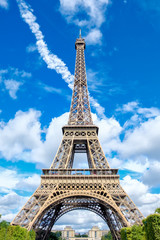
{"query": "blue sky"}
(37, 63)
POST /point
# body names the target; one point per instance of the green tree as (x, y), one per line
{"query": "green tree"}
(126, 233)
(138, 232)
(31, 235)
(55, 236)
(157, 210)
(3, 229)
(152, 227)
(107, 236)
(84, 235)
(8, 232)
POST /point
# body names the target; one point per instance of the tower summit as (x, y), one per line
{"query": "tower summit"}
(63, 188)
(80, 113)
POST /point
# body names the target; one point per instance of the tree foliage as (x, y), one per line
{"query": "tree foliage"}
(152, 227)
(138, 232)
(55, 236)
(157, 210)
(8, 232)
(149, 231)
(107, 236)
(126, 233)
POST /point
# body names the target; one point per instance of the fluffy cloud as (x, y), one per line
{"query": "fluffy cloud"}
(20, 134)
(10, 203)
(143, 140)
(8, 179)
(12, 86)
(94, 10)
(83, 221)
(151, 175)
(47, 150)
(139, 193)
(31, 48)
(94, 37)
(93, 13)
(4, 4)
(12, 79)
(11, 180)
(28, 184)
(50, 89)
(21, 138)
(134, 107)
(99, 109)
(140, 134)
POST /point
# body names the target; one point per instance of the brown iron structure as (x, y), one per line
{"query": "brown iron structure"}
(64, 189)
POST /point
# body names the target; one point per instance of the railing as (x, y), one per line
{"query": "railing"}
(80, 172)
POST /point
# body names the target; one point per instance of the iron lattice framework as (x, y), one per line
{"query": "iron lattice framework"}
(63, 188)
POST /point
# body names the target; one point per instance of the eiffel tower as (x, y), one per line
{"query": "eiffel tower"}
(63, 188)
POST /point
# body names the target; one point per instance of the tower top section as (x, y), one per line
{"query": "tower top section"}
(80, 41)
(80, 113)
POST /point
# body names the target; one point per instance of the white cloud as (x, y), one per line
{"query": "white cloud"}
(99, 109)
(134, 107)
(142, 140)
(109, 131)
(20, 134)
(28, 183)
(21, 138)
(151, 176)
(128, 107)
(31, 48)
(45, 152)
(139, 193)
(11, 180)
(8, 179)
(12, 86)
(115, 162)
(11, 203)
(50, 89)
(12, 199)
(94, 37)
(52, 61)
(140, 164)
(4, 4)
(15, 73)
(81, 221)
(94, 81)
(93, 13)
(12, 79)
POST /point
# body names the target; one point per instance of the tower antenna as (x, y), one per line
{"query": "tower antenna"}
(80, 33)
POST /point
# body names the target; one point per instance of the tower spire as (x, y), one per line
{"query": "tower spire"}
(80, 34)
(80, 113)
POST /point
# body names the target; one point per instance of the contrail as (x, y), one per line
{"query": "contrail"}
(52, 60)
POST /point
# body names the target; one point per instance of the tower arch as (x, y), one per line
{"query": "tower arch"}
(96, 203)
